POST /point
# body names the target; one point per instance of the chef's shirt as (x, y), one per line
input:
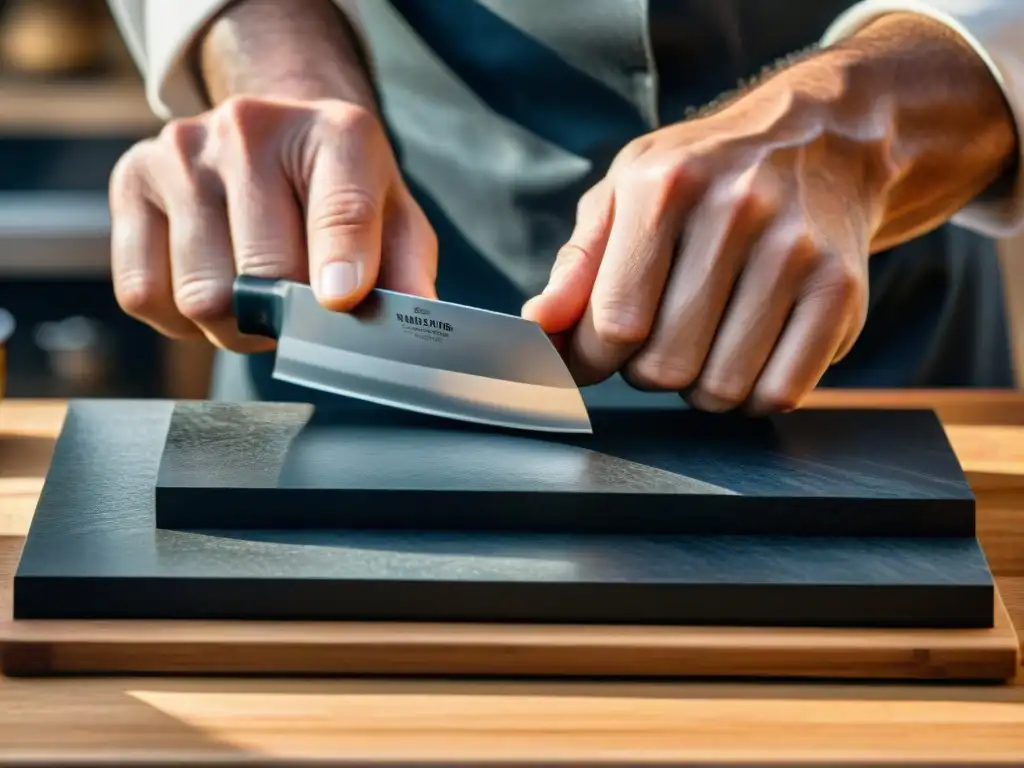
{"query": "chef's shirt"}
(503, 112)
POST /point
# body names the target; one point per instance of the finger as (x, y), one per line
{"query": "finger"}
(409, 248)
(762, 302)
(265, 225)
(203, 272)
(140, 255)
(202, 263)
(140, 268)
(844, 231)
(855, 322)
(719, 236)
(564, 299)
(807, 347)
(347, 197)
(649, 206)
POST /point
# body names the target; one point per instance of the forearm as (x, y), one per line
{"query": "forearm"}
(950, 134)
(283, 48)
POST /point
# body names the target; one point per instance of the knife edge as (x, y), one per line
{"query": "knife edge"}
(439, 392)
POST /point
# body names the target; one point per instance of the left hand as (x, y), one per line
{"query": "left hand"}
(725, 258)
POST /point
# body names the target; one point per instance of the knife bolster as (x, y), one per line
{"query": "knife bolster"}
(259, 305)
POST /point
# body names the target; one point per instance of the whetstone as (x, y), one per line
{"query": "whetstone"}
(94, 552)
(673, 471)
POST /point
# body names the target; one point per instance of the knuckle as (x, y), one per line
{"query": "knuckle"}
(621, 324)
(776, 400)
(182, 139)
(727, 390)
(662, 182)
(662, 178)
(180, 147)
(238, 112)
(348, 208)
(631, 152)
(138, 292)
(803, 254)
(202, 298)
(753, 203)
(661, 371)
(351, 121)
(674, 177)
(128, 172)
(244, 126)
(792, 251)
(841, 283)
(745, 202)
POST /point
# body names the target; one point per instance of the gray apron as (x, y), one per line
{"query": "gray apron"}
(503, 112)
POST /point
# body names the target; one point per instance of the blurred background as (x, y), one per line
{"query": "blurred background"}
(71, 101)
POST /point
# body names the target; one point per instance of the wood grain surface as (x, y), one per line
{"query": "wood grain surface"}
(46, 647)
(168, 720)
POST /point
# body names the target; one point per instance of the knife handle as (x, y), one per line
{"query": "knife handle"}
(259, 305)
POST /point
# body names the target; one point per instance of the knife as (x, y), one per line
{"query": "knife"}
(418, 354)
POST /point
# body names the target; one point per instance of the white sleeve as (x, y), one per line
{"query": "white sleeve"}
(160, 35)
(995, 29)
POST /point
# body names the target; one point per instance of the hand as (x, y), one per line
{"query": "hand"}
(726, 257)
(305, 190)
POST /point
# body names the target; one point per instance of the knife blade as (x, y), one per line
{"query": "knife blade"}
(417, 354)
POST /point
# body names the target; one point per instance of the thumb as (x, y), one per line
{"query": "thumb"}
(564, 299)
(409, 260)
(344, 230)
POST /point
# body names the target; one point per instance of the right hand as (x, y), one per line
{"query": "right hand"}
(303, 190)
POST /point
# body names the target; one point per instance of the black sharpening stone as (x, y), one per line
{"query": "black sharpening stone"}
(94, 551)
(807, 473)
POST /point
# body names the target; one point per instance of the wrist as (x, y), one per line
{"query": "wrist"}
(279, 48)
(912, 86)
(820, 110)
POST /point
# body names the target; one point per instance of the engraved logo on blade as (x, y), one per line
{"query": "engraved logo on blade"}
(421, 325)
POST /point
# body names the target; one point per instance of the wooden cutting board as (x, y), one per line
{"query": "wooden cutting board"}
(69, 646)
(45, 647)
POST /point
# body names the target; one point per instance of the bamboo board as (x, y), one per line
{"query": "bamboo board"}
(45, 647)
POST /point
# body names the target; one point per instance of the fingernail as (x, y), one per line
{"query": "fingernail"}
(339, 279)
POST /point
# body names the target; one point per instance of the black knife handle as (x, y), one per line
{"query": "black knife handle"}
(259, 305)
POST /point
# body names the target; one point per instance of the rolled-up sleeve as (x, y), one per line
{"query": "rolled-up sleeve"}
(995, 29)
(161, 35)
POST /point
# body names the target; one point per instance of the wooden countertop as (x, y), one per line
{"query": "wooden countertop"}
(369, 721)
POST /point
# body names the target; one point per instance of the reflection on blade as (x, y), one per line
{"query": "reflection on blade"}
(434, 334)
(436, 391)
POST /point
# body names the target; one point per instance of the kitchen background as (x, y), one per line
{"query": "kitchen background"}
(71, 102)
